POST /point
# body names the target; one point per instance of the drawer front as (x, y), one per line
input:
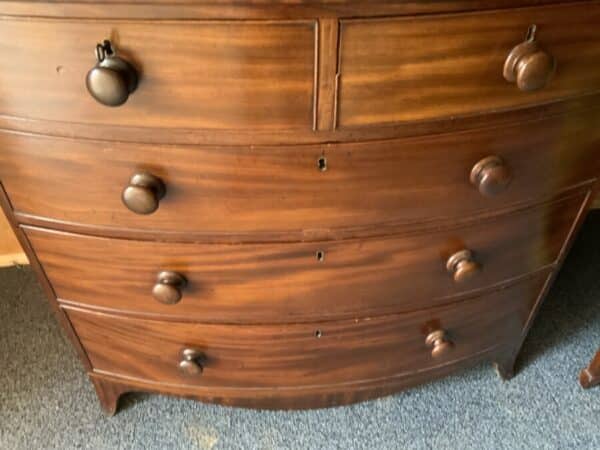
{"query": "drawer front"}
(301, 355)
(193, 74)
(289, 282)
(254, 193)
(410, 69)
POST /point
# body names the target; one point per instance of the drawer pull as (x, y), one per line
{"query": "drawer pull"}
(112, 79)
(528, 65)
(439, 343)
(191, 362)
(491, 176)
(462, 266)
(143, 193)
(168, 287)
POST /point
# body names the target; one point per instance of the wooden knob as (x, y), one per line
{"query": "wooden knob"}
(168, 287)
(528, 65)
(143, 193)
(462, 266)
(491, 175)
(191, 362)
(112, 79)
(439, 343)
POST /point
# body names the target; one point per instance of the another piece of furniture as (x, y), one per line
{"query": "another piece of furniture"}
(296, 204)
(10, 251)
(590, 376)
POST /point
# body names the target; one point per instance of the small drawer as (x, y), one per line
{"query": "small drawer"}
(303, 355)
(446, 66)
(297, 192)
(286, 282)
(213, 75)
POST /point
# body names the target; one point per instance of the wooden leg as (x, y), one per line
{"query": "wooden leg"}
(108, 394)
(590, 376)
(505, 364)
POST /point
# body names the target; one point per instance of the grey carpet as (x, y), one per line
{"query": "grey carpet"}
(47, 402)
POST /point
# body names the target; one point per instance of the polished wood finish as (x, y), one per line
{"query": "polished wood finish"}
(269, 357)
(278, 193)
(296, 204)
(235, 9)
(275, 60)
(590, 376)
(420, 68)
(368, 276)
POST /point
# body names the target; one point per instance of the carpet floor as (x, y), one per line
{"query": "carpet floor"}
(46, 401)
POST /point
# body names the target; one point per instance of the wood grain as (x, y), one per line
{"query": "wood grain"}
(269, 357)
(213, 75)
(270, 283)
(236, 9)
(258, 193)
(418, 68)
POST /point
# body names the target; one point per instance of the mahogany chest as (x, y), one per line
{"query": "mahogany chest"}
(296, 204)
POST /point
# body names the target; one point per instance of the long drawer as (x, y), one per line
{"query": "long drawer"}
(446, 66)
(269, 193)
(215, 75)
(305, 281)
(302, 355)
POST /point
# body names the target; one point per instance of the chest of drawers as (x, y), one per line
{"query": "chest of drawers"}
(296, 205)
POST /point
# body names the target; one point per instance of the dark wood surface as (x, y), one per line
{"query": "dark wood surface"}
(249, 193)
(270, 283)
(268, 357)
(213, 75)
(451, 66)
(248, 9)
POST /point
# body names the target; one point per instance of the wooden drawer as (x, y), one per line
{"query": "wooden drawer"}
(291, 282)
(194, 74)
(302, 355)
(278, 193)
(446, 66)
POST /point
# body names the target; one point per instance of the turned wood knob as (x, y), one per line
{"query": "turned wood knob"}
(143, 193)
(439, 343)
(491, 176)
(462, 266)
(112, 79)
(191, 362)
(528, 65)
(168, 287)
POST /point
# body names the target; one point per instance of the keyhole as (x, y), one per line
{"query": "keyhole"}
(320, 255)
(322, 163)
(318, 334)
